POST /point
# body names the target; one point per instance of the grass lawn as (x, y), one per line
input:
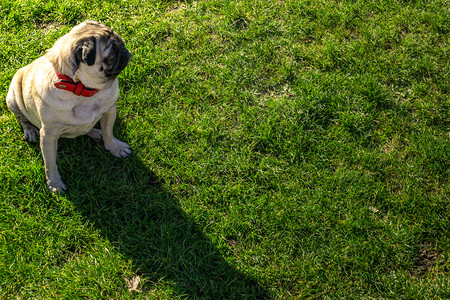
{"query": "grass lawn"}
(282, 150)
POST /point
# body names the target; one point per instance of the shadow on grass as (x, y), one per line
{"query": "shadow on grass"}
(131, 208)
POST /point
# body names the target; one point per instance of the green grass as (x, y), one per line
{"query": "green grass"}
(282, 149)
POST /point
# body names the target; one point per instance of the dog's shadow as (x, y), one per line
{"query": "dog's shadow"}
(129, 205)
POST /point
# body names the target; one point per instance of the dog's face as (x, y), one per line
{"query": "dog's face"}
(106, 56)
(92, 53)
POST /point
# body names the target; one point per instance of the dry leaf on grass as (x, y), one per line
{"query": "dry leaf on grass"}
(133, 283)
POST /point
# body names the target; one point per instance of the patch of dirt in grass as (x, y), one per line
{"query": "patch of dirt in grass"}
(231, 242)
(177, 7)
(48, 27)
(427, 261)
(68, 254)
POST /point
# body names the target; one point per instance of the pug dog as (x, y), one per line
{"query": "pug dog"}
(68, 90)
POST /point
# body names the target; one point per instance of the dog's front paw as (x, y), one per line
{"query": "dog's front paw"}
(56, 186)
(118, 148)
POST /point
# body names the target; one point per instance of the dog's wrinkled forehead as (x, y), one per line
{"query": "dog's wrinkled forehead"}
(109, 49)
(101, 32)
(111, 45)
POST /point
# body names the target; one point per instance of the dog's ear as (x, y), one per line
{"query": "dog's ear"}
(86, 50)
(124, 59)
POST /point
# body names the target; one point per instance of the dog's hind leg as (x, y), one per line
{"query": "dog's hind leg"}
(13, 100)
(96, 134)
(31, 132)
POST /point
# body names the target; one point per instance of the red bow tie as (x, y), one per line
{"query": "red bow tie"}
(77, 88)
